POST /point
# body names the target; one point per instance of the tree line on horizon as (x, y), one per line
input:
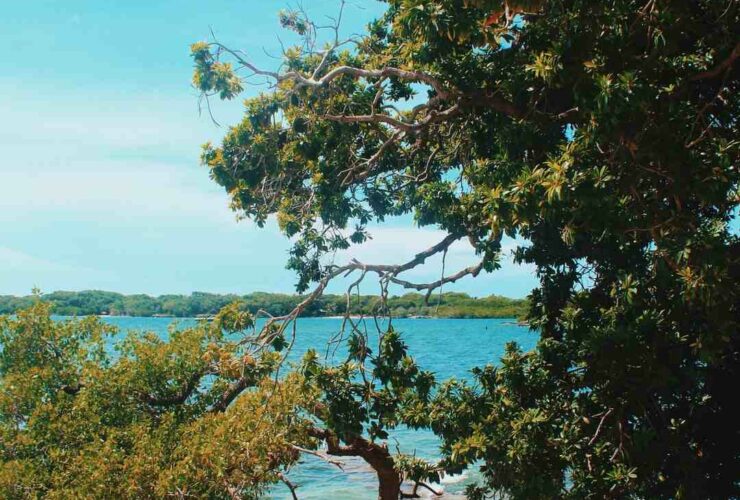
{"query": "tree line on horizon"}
(98, 302)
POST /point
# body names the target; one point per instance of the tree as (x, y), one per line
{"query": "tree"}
(605, 133)
(159, 418)
(199, 414)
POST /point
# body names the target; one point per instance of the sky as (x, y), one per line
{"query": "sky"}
(100, 182)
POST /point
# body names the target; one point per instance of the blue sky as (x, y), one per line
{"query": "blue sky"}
(100, 185)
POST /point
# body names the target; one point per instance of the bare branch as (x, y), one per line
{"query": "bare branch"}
(598, 428)
(426, 486)
(335, 27)
(351, 175)
(387, 272)
(433, 116)
(414, 76)
(430, 287)
(323, 456)
(291, 486)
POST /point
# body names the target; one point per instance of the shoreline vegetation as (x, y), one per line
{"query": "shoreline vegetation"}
(201, 304)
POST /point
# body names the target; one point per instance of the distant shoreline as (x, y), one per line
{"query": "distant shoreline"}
(511, 320)
(203, 305)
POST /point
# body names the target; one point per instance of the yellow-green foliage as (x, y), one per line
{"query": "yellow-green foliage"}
(78, 420)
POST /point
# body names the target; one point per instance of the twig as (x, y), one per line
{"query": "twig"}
(323, 456)
(291, 486)
(598, 428)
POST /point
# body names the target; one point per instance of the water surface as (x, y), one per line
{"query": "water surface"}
(448, 347)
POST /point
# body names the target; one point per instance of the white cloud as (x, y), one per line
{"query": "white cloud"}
(117, 191)
(21, 271)
(15, 259)
(38, 138)
(110, 156)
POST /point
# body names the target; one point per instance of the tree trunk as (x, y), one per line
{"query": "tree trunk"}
(389, 485)
(376, 456)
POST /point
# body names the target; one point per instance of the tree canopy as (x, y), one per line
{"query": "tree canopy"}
(605, 133)
(201, 413)
(151, 419)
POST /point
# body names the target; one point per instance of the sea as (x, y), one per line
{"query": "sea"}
(448, 347)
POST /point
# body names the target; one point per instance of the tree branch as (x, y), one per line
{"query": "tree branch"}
(291, 486)
(376, 455)
(430, 287)
(414, 492)
(178, 397)
(717, 70)
(236, 388)
(322, 456)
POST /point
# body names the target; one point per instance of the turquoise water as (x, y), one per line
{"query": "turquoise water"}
(448, 347)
